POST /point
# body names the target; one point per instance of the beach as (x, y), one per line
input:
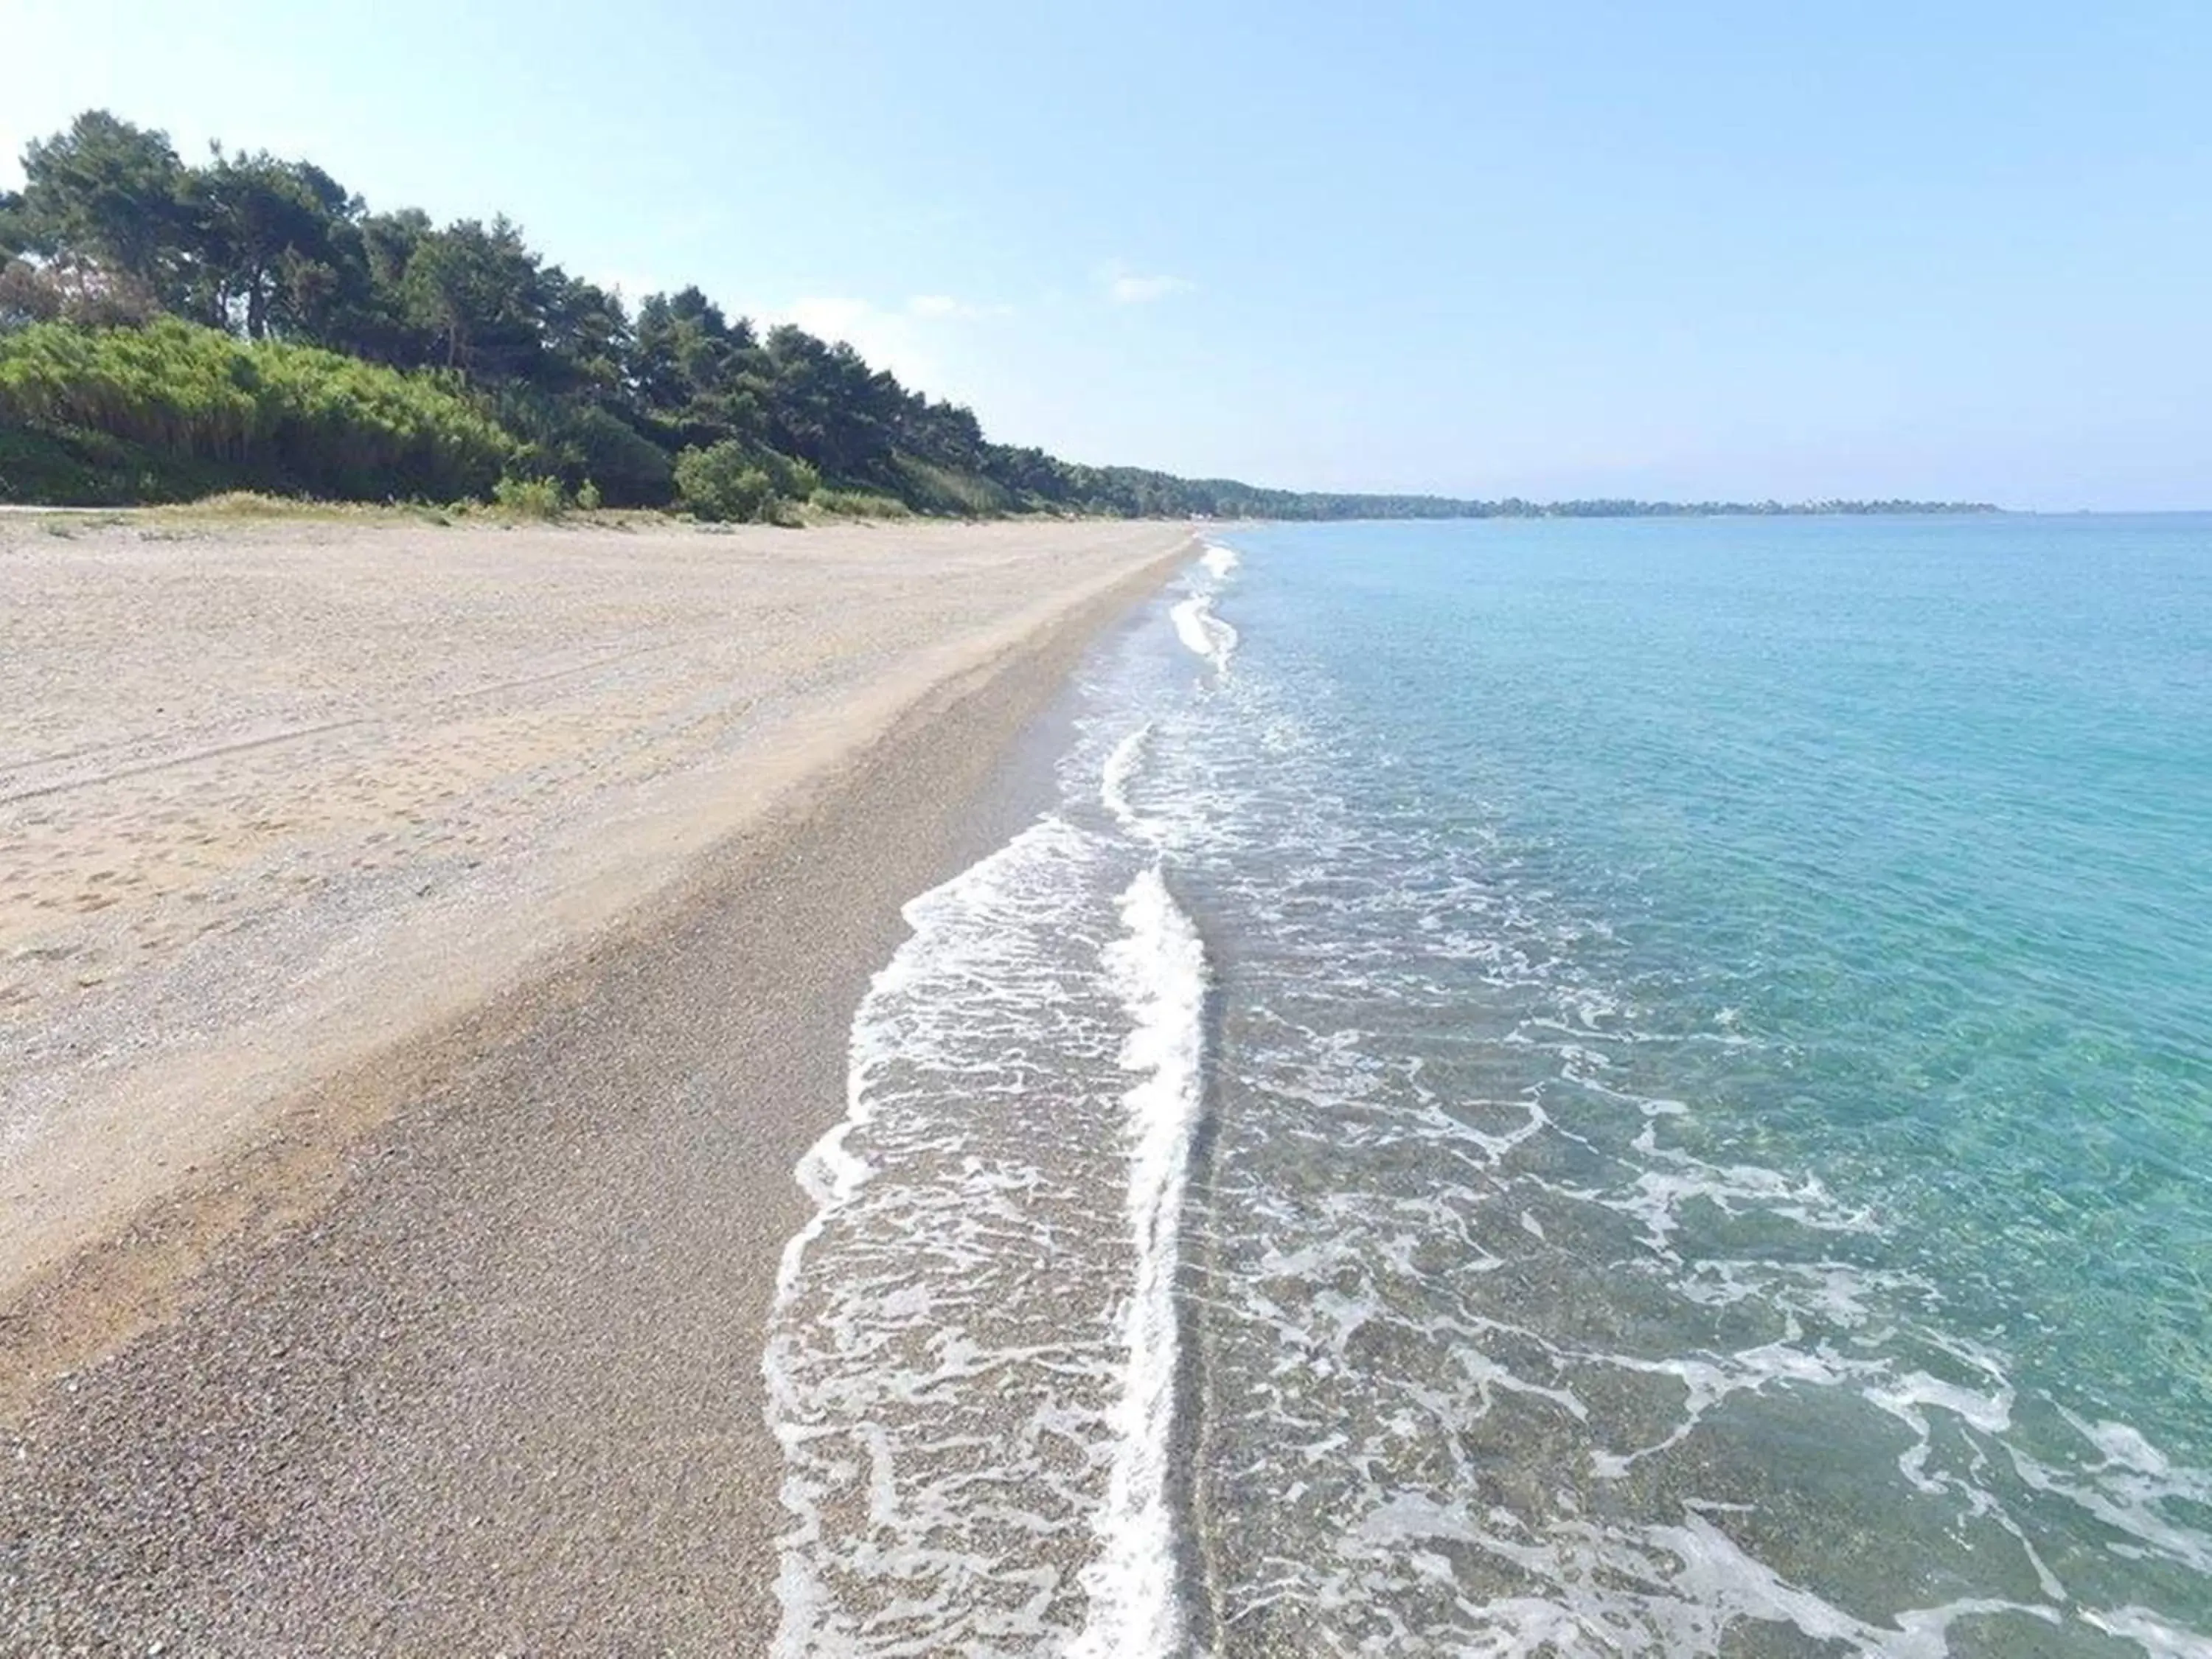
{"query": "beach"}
(1082, 1088)
(424, 954)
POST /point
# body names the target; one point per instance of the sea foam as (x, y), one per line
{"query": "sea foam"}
(947, 1414)
(1159, 968)
(1204, 633)
(1115, 775)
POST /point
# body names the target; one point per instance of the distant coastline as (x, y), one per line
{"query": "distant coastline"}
(1308, 505)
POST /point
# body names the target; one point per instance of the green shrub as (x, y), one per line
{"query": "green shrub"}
(573, 441)
(530, 498)
(929, 488)
(70, 466)
(794, 480)
(289, 418)
(861, 504)
(251, 504)
(723, 481)
(587, 496)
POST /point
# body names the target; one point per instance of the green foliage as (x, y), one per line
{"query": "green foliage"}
(587, 496)
(797, 481)
(573, 440)
(258, 504)
(268, 242)
(530, 498)
(697, 372)
(723, 482)
(14, 230)
(729, 480)
(105, 193)
(861, 504)
(74, 467)
(934, 489)
(286, 417)
(790, 480)
(478, 296)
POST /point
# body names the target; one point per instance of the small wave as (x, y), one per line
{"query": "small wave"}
(1219, 561)
(1159, 968)
(945, 1410)
(2156, 1638)
(1114, 777)
(1204, 633)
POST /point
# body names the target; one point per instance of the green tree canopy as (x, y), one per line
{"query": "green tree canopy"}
(105, 193)
(269, 241)
(478, 295)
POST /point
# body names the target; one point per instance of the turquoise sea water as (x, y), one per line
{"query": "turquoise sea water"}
(1555, 1087)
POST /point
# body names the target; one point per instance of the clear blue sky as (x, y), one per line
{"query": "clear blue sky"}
(1662, 249)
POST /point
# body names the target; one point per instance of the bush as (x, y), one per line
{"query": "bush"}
(723, 481)
(932, 488)
(574, 441)
(530, 498)
(587, 496)
(71, 467)
(795, 480)
(285, 418)
(861, 504)
(252, 504)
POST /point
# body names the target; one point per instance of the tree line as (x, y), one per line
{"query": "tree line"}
(168, 327)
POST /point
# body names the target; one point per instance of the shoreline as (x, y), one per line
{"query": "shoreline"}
(472, 1361)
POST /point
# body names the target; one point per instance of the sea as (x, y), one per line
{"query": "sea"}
(1549, 1087)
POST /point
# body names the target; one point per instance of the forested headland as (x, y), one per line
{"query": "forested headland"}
(169, 329)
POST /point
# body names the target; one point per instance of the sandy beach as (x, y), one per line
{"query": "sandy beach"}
(423, 953)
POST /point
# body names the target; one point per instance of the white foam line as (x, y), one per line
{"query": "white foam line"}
(1113, 779)
(1218, 559)
(830, 1176)
(833, 1176)
(1203, 632)
(1159, 969)
(2150, 1632)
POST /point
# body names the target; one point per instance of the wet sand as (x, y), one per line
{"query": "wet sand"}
(450, 1341)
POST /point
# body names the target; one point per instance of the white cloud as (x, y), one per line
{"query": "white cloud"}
(1143, 290)
(887, 338)
(834, 317)
(1125, 287)
(944, 305)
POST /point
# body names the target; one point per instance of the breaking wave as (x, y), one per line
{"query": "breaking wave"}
(1204, 633)
(1159, 969)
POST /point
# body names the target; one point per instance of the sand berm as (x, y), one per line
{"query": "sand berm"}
(424, 953)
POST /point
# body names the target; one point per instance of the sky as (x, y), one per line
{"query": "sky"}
(1678, 251)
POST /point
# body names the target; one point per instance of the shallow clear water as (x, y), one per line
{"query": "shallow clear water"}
(1630, 1086)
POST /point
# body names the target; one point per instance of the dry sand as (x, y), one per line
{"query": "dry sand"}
(422, 954)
